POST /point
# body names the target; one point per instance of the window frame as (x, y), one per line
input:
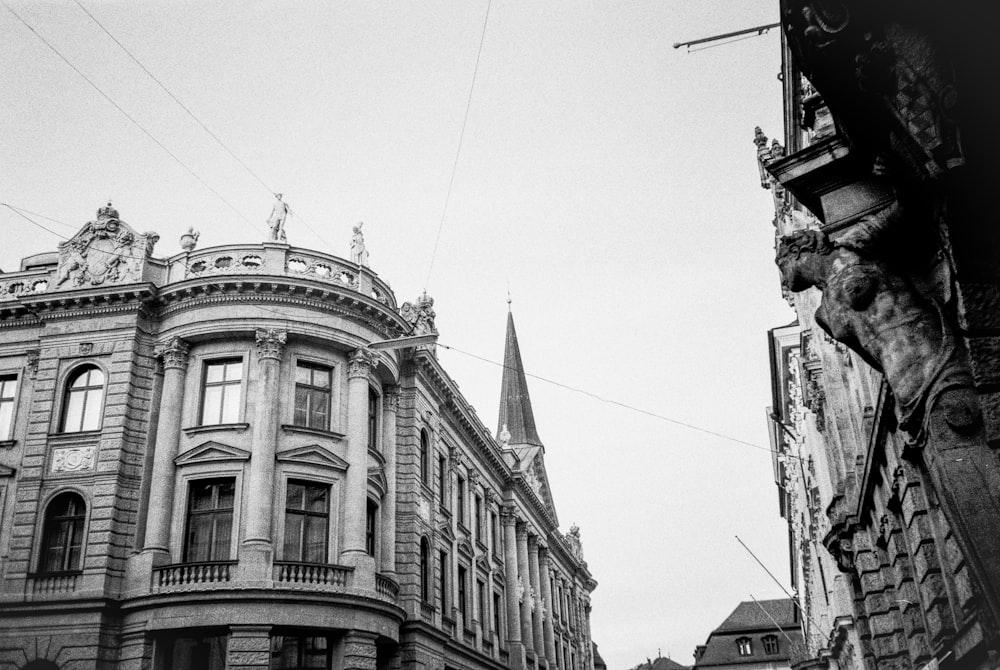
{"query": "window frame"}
(460, 489)
(425, 457)
(372, 509)
(374, 418)
(306, 514)
(444, 567)
(462, 582)
(45, 534)
(442, 484)
(233, 518)
(425, 570)
(274, 656)
(744, 646)
(15, 379)
(329, 391)
(770, 645)
(204, 385)
(69, 378)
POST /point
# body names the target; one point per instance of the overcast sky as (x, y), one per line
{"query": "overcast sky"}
(608, 179)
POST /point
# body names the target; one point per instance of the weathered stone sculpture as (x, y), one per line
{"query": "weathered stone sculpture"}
(276, 222)
(420, 315)
(359, 253)
(105, 251)
(879, 314)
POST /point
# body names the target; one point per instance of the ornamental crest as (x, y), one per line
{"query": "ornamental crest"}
(420, 315)
(105, 251)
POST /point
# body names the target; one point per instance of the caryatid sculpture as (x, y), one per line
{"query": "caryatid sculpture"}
(276, 222)
(879, 314)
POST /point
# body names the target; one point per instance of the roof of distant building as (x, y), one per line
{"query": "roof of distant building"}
(661, 663)
(754, 621)
(515, 405)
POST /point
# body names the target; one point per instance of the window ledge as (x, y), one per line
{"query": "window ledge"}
(195, 430)
(6, 444)
(79, 436)
(291, 428)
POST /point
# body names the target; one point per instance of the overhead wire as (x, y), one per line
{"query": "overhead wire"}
(41, 216)
(127, 115)
(458, 152)
(204, 127)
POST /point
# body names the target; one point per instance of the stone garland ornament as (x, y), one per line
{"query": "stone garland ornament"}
(104, 251)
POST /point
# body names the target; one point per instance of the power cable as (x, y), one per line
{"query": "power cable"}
(41, 216)
(211, 134)
(32, 221)
(458, 152)
(127, 115)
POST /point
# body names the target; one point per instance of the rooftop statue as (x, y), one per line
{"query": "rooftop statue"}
(880, 314)
(359, 253)
(420, 315)
(276, 222)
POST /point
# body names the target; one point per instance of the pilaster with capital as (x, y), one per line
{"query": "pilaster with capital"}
(537, 605)
(508, 521)
(387, 511)
(258, 545)
(354, 552)
(174, 355)
(545, 568)
(523, 572)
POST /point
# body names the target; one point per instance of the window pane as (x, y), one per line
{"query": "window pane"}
(199, 531)
(212, 409)
(234, 371)
(321, 377)
(227, 494)
(74, 411)
(231, 403)
(293, 537)
(296, 494)
(214, 372)
(301, 417)
(201, 496)
(316, 498)
(315, 539)
(93, 404)
(6, 416)
(7, 386)
(223, 531)
(303, 374)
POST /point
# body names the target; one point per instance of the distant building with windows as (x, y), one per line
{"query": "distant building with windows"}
(757, 635)
(240, 457)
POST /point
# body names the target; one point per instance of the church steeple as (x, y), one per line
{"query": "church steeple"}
(516, 416)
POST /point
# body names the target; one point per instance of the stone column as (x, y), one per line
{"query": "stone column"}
(356, 495)
(546, 571)
(508, 521)
(257, 547)
(168, 434)
(390, 404)
(536, 597)
(525, 587)
(249, 648)
(360, 652)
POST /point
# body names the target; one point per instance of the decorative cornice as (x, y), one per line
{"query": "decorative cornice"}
(271, 343)
(361, 362)
(174, 354)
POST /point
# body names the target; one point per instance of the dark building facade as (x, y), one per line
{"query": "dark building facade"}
(886, 407)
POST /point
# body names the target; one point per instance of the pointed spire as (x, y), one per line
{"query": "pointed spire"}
(516, 416)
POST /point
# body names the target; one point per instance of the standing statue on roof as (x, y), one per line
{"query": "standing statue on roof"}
(359, 254)
(276, 222)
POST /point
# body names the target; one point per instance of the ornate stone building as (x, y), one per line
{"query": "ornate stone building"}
(249, 456)
(886, 389)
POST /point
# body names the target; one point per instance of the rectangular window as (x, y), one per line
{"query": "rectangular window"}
(209, 520)
(221, 392)
(443, 565)
(478, 521)
(372, 419)
(442, 489)
(462, 595)
(498, 616)
(460, 495)
(370, 528)
(494, 531)
(8, 386)
(312, 396)
(298, 652)
(481, 595)
(307, 522)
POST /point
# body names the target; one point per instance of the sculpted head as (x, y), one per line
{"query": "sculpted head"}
(799, 257)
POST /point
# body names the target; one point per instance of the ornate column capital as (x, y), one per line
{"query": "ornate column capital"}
(508, 515)
(490, 495)
(31, 362)
(361, 362)
(522, 531)
(473, 479)
(174, 354)
(271, 343)
(532, 543)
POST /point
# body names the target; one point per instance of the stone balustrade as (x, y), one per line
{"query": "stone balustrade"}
(312, 575)
(185, 576)
(386, 587)
(13, 285)
(59, 582)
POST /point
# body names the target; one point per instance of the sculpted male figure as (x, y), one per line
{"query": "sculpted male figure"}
(276, 222)
(879, 314)
(359, 253)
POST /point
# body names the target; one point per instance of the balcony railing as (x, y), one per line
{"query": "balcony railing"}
(324, 575)
(54, 582)
(386, 587)
(191, 575)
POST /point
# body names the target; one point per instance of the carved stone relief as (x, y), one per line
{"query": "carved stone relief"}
(105, 251)
(73, 459)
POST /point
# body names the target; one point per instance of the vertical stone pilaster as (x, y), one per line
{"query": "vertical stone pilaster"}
(537, 606)
(249, 648)
(360, 652)
(355, 509)
(524, 586)
(161, 495)
(546, 571)
(508, 522)
(390, 405)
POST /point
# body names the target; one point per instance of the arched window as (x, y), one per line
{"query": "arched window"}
(425, 458)
(425, 570)
(83, 403)
(62, 534)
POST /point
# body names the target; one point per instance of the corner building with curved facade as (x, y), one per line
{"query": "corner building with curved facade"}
(222, 459)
